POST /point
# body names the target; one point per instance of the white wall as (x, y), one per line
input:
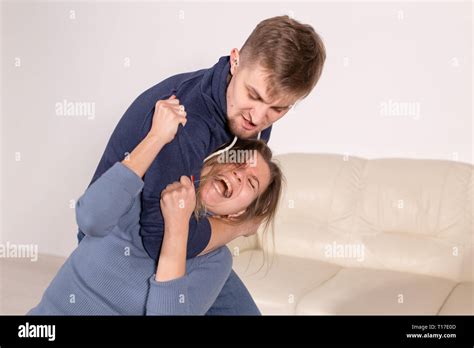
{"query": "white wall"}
(377, 52)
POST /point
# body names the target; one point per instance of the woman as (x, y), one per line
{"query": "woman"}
(110, 272)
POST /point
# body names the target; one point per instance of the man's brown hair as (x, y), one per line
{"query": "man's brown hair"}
(292, 53)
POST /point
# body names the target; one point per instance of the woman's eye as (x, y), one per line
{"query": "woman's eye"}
(250, 182)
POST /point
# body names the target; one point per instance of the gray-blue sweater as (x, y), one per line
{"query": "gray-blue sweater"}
(110, 273)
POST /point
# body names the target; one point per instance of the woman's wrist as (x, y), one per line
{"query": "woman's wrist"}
(155, 139)
(177, 228)
(172, 260)
(143, 155)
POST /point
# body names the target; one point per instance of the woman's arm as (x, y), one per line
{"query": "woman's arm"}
(172, 261)
(168, 292)
(194, 293)
(143, 155)
(173, 289)
(100, 208)
(111, 196)
(178, 201)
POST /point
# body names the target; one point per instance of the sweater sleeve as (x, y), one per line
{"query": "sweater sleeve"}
(100, 208)
(168, 298)
(195, 292)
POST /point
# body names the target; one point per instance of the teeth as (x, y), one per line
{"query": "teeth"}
(216, 186)
(228, 190)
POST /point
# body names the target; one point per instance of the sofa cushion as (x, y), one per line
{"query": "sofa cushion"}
(460, 301)
(278, 288)
(411, 215)
(371, 291)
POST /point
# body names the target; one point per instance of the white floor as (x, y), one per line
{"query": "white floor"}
(22, 282)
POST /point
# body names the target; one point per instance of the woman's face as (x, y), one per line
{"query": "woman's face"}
(232, 189)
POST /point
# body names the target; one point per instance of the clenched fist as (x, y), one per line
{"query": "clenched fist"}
(178, 201)
(166, 119)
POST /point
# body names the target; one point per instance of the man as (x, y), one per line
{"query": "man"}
(240, 96)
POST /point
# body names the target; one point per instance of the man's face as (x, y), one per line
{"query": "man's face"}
(249, 108)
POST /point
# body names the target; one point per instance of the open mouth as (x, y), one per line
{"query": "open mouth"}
(223, 186)
(247, 124)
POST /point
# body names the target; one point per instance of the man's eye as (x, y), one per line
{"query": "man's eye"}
(279, 110)
(252, 97)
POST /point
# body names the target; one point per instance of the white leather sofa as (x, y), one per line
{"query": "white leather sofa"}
(358, 236)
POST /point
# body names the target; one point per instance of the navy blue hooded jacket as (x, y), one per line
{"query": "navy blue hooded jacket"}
(203, 94)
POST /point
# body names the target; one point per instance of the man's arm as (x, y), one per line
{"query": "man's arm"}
(222, 232)
(183, 156)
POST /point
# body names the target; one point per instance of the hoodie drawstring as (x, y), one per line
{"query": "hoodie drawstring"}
(221, 151)
(227, 148)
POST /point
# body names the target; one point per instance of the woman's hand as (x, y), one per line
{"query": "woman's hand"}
(178, 201)
(168, 115)
(177, 204)
(166, 119)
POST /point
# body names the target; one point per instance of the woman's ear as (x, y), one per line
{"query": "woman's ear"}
(236, 214)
